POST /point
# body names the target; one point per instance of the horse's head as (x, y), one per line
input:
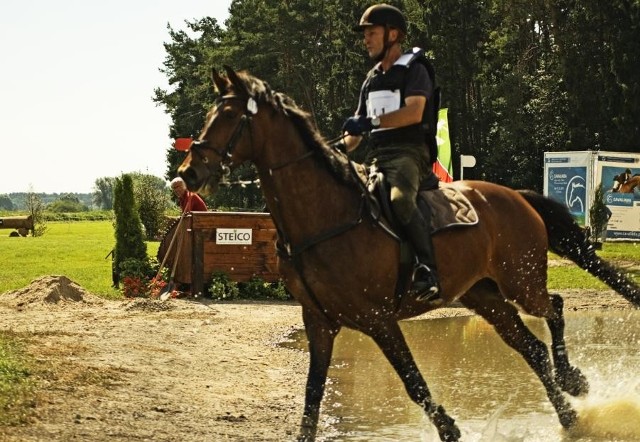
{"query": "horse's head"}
(225, 141)
(250, 122)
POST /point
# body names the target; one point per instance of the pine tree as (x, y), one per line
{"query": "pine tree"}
(130, 243)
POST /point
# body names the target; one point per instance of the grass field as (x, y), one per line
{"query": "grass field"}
(79, 251)
(16, 385)
(624, 254)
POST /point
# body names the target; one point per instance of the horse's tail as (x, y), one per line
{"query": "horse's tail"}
(569, 240)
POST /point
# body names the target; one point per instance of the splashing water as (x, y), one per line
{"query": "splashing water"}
(492, 393)
(612, 415)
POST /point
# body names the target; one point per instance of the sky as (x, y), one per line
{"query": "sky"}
(76, 86)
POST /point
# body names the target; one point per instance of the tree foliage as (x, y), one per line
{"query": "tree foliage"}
(520, 77)
(6, 203)
(35, 208)
(67, 203)
(103, 193)
(152, 200)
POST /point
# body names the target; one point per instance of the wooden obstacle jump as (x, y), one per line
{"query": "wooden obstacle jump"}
(22, 224)
(240, 244)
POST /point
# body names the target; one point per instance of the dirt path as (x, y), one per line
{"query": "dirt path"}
(181, 370)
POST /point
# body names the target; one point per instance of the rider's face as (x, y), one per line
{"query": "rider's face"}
(374, 40)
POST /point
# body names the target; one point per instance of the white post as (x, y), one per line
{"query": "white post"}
(466, 161)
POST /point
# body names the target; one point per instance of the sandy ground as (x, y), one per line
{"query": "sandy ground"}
(180, 370)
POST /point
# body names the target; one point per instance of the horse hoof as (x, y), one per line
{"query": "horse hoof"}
(453, 435)
(573, 382)
(447, 429)
(568, 418)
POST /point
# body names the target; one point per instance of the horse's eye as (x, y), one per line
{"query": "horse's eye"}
(205, 160)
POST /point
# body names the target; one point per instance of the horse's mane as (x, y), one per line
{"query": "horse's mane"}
(337, 163)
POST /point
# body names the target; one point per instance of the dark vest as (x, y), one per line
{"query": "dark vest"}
(393, 80)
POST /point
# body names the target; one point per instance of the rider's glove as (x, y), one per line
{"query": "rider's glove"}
(357, 125)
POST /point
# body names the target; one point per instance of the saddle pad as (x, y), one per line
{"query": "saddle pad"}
(449, 207)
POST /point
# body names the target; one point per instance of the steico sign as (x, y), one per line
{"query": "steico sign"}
(233, 236)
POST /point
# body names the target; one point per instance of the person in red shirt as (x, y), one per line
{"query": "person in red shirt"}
(189, 201)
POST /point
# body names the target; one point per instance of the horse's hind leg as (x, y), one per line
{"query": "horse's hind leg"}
(569, 378)
(391, 341)
(485, 299)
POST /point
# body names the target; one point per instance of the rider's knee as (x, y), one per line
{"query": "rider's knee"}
(403, 207)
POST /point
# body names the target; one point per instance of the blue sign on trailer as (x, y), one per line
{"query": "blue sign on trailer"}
(572, 178)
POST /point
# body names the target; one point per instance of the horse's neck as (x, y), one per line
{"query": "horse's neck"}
(304, 197)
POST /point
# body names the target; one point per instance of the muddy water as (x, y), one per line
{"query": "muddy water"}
(484, 385)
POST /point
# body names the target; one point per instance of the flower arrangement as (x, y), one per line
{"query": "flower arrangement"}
(134, 287)
(137, 287)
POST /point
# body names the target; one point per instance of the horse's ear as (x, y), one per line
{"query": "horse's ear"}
(238, 84)
(219, 82)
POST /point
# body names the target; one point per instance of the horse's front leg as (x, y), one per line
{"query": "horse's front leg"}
(391, 341)
(321, 337)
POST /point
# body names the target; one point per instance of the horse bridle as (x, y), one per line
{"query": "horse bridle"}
(226, 154)
(251, 109)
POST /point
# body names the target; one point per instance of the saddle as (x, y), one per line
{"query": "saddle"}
(449, 208)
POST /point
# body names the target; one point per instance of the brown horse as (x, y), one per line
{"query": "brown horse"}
(343, 267)
(630, 185)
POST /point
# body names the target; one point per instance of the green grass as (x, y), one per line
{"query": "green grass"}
(623, 254)
(77, 250)
(16, 386)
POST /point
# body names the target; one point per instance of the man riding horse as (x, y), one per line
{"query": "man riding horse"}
(392, 107)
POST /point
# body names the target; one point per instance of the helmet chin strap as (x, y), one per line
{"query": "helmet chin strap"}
(385, 47)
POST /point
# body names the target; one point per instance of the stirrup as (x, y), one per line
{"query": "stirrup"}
(431, 289)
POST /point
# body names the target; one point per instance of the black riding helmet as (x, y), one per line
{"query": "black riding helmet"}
(384, 15)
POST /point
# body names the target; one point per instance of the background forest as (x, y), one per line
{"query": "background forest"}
(520, 77)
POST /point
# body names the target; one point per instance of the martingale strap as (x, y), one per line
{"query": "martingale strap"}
(294, 254)
(286, 250)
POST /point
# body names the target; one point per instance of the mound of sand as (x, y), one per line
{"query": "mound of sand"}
(52, 289)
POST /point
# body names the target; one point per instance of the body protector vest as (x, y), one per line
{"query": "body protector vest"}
(384, 92)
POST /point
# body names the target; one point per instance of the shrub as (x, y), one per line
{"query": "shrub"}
(257, 288)
(139, 278)
(221, 287)
(152, 201)
(599, 215)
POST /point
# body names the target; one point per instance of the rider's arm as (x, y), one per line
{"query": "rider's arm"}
(410, 113)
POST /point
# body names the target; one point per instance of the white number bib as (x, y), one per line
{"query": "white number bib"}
(382, 102)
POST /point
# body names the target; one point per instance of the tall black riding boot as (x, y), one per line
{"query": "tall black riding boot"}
(425, 278)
